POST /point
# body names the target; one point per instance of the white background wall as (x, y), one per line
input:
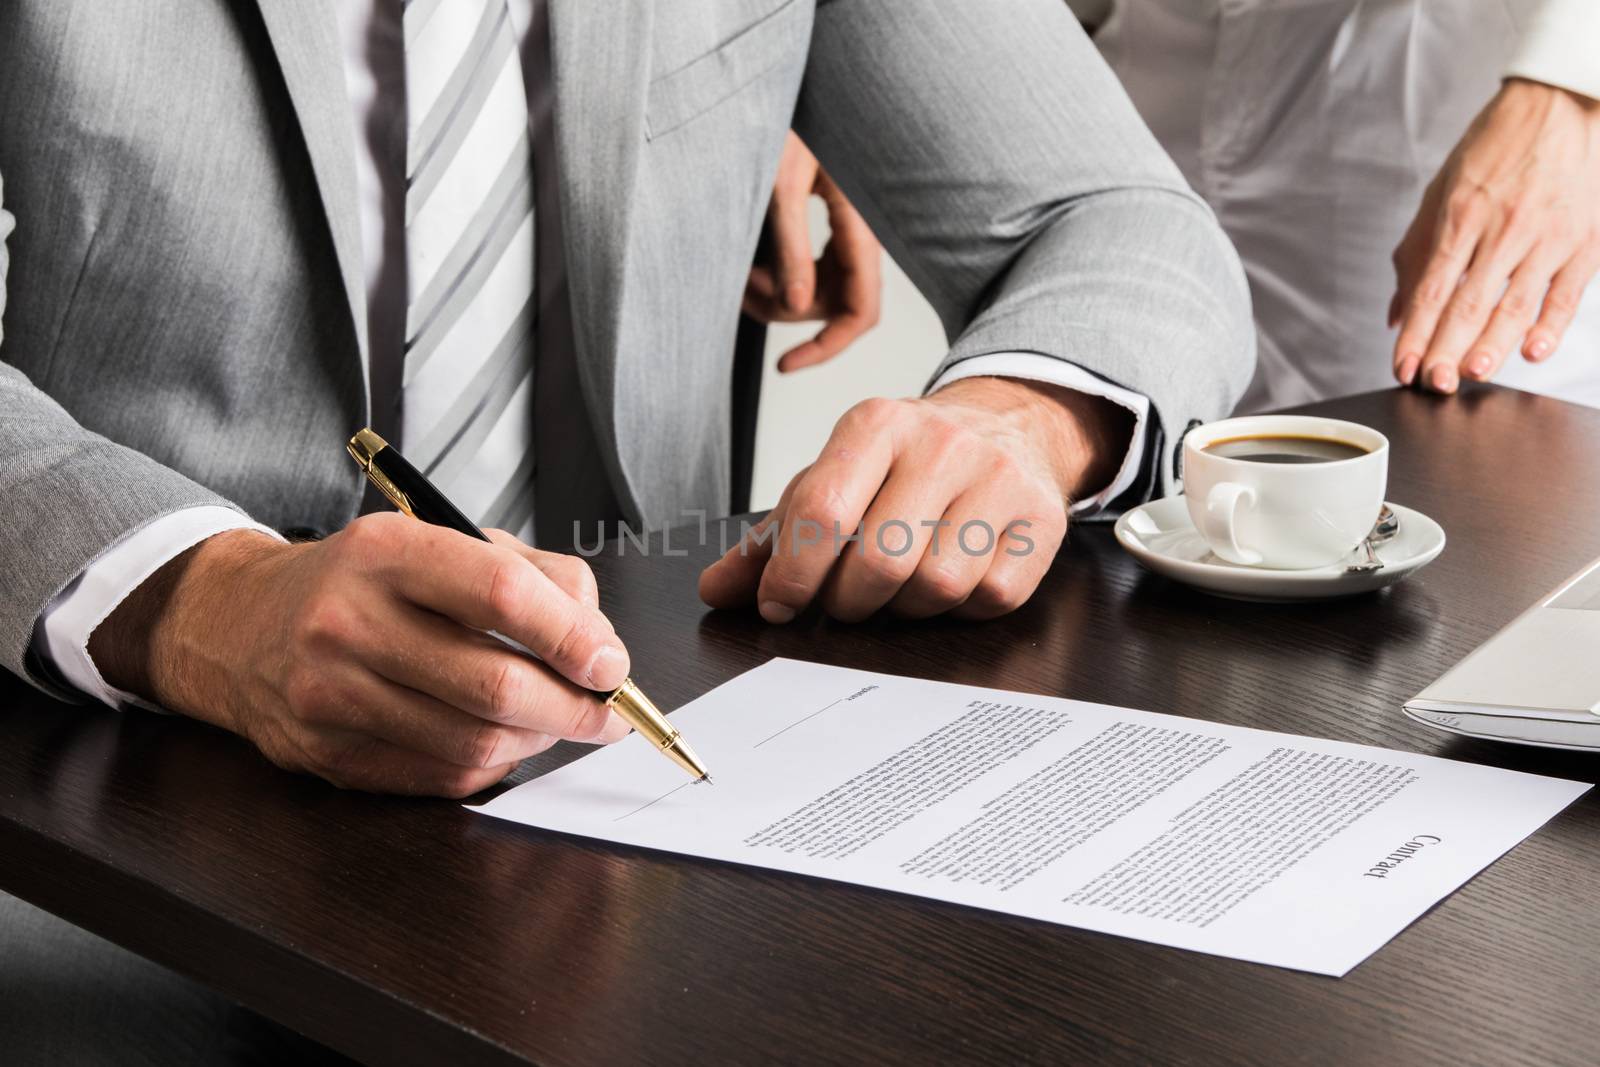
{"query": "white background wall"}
(798, 410)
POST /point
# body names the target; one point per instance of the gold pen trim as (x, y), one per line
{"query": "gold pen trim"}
(640, 712)
(364, 448)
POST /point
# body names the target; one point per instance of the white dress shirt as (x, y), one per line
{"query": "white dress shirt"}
(1312, 128)
(1560, 46)
(375, 83)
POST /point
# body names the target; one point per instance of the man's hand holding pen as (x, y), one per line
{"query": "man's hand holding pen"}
(365, 658)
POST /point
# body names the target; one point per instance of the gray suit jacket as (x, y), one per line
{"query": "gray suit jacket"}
(186, 318)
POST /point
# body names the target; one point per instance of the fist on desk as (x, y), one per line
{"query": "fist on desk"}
(367, 661)
(954, 502)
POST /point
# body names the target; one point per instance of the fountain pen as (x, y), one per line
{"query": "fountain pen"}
(411, 492)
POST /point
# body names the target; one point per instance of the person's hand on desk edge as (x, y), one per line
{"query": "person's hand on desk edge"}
(364, 658)
(1011, 454)
(843, 289)
(1506, 240)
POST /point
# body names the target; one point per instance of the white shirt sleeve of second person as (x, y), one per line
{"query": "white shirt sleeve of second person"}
(61, 634)
(1036, 368)
(1560, 46)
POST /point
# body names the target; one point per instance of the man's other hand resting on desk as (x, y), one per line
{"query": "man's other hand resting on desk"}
(956, 502)
(364, 658)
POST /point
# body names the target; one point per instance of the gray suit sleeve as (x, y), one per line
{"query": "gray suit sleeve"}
(1007, 172)
(66, 495)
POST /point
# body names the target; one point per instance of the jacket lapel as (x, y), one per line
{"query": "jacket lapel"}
(306, 40)
(600, 72)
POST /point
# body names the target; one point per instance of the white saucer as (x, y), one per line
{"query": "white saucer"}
(1161, 536)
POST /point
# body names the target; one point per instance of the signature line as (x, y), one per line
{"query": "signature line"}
(657, 800)
(792, 725)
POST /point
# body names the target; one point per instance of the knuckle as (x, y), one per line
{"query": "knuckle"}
(886, 570)
(508, 588)
(1001, 467)
(579, 571)
(874, 413)
(1000, 593)
(577, 641)
(1469, 304)
(1430, 294)
(1463, 203)
(370, 533)
(460, 784)
(945, 585)
(484, 746)
(584, 719)
(783, 584)
(1562, 300)
(1517, 304)
(337, 761)
(325, 622)
(823, 504)
(505, 690)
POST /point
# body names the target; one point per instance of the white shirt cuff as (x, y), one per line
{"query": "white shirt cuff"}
(1033, 367)
(61, 636)
(1560, 46)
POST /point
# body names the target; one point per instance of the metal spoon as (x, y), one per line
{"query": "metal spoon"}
(1384, 529)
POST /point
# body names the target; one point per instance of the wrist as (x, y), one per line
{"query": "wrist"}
(1539, 96)
(1080, 439)
(163, 642)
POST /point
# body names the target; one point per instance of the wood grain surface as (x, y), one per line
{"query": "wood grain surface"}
(412, 932)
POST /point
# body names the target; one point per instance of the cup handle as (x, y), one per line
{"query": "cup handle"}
(1217, 524)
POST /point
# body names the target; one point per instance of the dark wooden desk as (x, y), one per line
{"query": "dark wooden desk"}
(413, 932)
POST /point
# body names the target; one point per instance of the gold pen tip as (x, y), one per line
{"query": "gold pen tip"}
(706, 778)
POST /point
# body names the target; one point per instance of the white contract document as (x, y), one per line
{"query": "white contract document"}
(1261, 846)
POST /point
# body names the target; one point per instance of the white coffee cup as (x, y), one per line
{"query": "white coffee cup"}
(1289, 516)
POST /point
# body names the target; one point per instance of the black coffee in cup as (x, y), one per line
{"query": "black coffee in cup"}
(1280, 448)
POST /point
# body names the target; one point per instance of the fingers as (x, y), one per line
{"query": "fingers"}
(796, 278)
(1409, 258)
(1498, 253)
(419, 723)
(994, 553)
(1561, 303)
(477, 675)
(1510, 321)
(1022, 555)
(827, 504)
(914, 505)
(359, 761)
(1456, 237)
(491, 587)
(956, 562)
(852, 292)
(731, 582)
(571, 574)
(905, 536)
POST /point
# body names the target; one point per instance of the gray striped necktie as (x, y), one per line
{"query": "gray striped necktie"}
(469, 351)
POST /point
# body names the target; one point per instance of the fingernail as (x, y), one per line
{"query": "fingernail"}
(794, 295)
(615, 730)
(1479, 366)
(1408, 370)
(1443, 378)
(776, 613)
(1539, 349)
(608, 669)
